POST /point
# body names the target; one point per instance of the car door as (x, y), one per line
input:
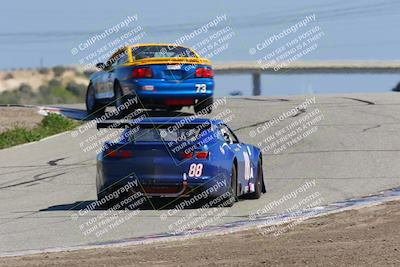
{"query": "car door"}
(113, 63)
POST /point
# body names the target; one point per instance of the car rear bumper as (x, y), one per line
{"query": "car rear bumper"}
(168, 93)
(156, 187)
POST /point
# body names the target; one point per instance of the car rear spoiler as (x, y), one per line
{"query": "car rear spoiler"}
(171, 60)
(131, 124)
(116, 124)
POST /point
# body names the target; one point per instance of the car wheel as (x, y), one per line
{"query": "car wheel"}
(204, 105)
(233, 188)
(92, 106)
(258, 186)
(120, 101)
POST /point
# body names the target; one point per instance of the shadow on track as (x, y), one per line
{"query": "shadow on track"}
(159, 204)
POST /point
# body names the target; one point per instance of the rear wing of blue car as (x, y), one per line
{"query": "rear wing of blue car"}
(130, 124)
(116, 124)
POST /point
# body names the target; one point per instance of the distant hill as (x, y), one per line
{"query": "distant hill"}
(43, 86)
(12, 80)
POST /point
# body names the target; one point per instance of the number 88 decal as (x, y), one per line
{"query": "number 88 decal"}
(195, 170)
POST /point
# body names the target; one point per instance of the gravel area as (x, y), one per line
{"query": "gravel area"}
(363, 237)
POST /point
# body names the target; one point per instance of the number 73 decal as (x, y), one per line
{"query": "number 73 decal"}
(201, 88)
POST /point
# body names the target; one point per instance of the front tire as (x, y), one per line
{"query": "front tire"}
(204, 105)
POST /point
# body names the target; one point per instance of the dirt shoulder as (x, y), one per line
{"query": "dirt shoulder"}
(16, 116)
(365, 237)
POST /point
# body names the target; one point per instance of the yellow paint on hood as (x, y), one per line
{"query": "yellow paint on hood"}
(170, 61)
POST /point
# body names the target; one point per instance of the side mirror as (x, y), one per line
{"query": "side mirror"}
(101, 66)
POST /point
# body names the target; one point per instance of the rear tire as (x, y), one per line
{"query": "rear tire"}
(93, 107)
(233, 188)
(204, 105)
(120, 102)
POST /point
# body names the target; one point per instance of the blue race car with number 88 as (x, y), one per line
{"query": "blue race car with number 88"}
(174, 157)
(157, 76)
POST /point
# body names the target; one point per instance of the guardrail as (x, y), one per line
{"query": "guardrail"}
(305, 67)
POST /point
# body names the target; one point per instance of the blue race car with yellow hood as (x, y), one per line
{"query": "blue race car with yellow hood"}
(152, 76)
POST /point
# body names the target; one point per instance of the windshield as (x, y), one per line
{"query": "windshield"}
(161, 51)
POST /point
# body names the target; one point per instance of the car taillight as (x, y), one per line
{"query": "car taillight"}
(142, 73)
(186, 155)
(199, 73)
(202, 154)
(125, 154)
(118, 153)
(203, 73)
(111, 153)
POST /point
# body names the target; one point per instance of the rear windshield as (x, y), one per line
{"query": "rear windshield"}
(161, 51)
(167, 134)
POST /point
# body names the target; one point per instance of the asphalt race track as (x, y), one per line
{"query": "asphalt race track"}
(353, 152)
